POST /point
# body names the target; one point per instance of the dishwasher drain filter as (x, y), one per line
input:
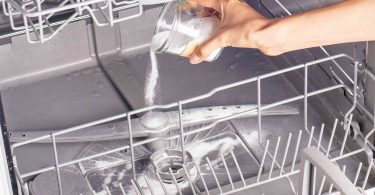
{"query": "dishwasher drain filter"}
(166, 161)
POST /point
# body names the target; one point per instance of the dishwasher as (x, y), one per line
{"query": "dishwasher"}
(74, 121)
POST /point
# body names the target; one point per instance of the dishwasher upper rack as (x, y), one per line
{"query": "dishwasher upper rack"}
(37, 15)
(97, 9)
(258, 80)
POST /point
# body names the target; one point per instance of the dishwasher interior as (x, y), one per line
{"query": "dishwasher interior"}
(74, 121)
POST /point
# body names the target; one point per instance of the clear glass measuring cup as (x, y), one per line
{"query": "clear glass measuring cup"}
(181, 28)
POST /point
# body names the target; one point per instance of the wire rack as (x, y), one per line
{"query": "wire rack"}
(270, 168)
(317, 169)
(38, 16)
(274, 171)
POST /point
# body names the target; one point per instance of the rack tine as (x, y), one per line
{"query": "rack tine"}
(322, 185)
(57, 166)
(41, 31)
(199, 133)
(148, 185)
(208, 132)
(357, 174)
(296, 150)
(320, 136)
(331, 138)
(177, 141)
(263, 159)
(35, 30)
(330, 188)
(367, 176)
(274, 157)
(238, 167)
(227, 171)
(189, 180)
(223, 129)
(22, 186)
(108, 191)
(181, 132)
(346, 135)
(136, 187)
(311, 136)
(187, 136)
(200, 175)
(214, 174)
(122, 189)
(313, 180)
(285, 154)
(196, 135)
(48, 24)
(175, 181)
(131, 144)
(161, 183)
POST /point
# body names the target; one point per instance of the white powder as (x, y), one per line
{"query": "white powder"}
(102, 164)
(103, 192)
(151, 80)
(197, 30)
(201, 150)
(156, 186)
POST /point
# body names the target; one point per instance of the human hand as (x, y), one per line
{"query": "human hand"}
(239, 26)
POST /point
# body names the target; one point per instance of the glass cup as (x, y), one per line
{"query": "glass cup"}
(181, 28)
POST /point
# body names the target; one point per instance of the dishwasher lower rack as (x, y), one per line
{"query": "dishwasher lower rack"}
(178, 166)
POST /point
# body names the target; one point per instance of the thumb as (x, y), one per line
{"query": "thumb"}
(203, 51)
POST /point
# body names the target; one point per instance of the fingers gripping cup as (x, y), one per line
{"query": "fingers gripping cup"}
(181, 28)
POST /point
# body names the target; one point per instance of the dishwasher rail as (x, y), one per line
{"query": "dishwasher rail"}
(188, 172)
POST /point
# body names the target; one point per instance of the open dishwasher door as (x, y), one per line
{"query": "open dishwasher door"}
(75, 122)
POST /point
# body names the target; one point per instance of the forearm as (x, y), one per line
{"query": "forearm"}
(347, 21)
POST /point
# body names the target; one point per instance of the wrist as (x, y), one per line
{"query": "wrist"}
(269, 38)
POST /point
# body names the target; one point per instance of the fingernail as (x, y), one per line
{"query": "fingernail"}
(194, 59)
